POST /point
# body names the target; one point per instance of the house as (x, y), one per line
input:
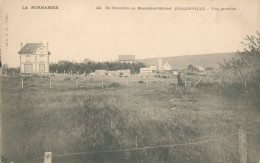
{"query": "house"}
(200, 68)
(163, 67)
(101, 72)
(34, 58)
(126, 58)
(175, 73)
(148, 71)
(125, 72)
(167, 67)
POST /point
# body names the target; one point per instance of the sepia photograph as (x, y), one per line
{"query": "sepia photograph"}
(130, 81)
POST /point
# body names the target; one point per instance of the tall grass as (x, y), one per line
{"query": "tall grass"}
(68, 119)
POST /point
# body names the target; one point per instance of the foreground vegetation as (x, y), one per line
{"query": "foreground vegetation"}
(70, 118)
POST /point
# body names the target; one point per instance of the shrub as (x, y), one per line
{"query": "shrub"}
(140, 81)
(191, 73)
(114, 85)
(67, 79)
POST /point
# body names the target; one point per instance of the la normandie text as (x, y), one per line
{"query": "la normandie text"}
(40, 7)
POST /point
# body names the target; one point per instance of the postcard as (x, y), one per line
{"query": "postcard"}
(107, 81)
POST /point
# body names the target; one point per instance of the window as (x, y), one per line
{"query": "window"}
(28, 68)
(41, 58)
(28, 58)
(41, 67)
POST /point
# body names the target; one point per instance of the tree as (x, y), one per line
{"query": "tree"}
(246, 63)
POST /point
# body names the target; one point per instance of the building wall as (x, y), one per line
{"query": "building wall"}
(167, 67)
(127, 62)
(35, 60)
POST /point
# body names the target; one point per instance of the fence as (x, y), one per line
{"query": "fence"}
(187, 78)
(48, 156)
(52, 83)
(102, 81)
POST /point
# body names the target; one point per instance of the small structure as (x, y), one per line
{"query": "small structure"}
(125, 72)
(150, 71)
(34, 58)
(100, 72)
(167, 67)
(200, 68)
(126, 58)
(175, 73)
(113, 73)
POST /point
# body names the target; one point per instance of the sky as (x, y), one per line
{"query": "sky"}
(77, 30)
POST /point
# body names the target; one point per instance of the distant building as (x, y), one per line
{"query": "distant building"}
(200, 68)
(163, 67)
(119, 73)
(175, 73)
(125, 72)
(126, 58)
(86, 61)
(148, 71)
(167, 67)
(34, 58)
(101, 72)
(113, 73)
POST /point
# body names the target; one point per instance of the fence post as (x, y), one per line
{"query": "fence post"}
(64, 72)
(136, 142)
(185, 81)
(22, 83)
(218, 81)
(102, 83)
(147, 83)
(77, 82)
(245, 84)
(242, 146)
(47, 157)
(50, 82)
(126, 84)
(198, 81)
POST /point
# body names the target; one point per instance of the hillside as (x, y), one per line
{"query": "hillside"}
(182, 62)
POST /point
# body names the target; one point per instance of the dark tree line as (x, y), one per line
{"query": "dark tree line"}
(92, 66)
(10, 70)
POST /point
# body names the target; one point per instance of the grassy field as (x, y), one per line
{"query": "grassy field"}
(77, 115)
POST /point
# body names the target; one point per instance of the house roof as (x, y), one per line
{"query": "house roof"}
(126, 57)
(30, 48)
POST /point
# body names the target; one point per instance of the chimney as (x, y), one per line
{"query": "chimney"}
(21, 45)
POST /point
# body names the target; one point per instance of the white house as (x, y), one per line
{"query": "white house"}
(100, 72)
(166, 67)
(34, 58)
(148, 71)
(200, 68)
(125, 72)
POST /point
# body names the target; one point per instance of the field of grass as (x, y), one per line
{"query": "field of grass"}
(76, 115)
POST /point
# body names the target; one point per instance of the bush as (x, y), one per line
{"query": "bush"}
(114, 85)
(67, 79)
(191, 73)
(140, 81)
